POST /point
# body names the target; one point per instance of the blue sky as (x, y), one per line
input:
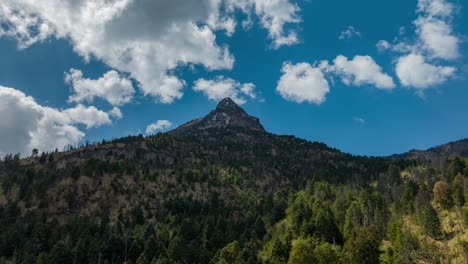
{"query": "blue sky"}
(408, 92)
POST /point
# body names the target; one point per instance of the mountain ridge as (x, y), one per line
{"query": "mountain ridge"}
(228, 114)
(457, 148)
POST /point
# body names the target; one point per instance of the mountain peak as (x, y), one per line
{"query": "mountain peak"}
(226, 114)
(227, 104)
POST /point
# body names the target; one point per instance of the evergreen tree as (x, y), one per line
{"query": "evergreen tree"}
(324, 223)
(353, 219)
(458, 191)
(362, 246)
(404, 245)
(61, 254)
(42, 258)
(302, 251)
(152, 248)
(326, 253)
(430, 221)
(230, 254)
(142, 260)
(134, 251)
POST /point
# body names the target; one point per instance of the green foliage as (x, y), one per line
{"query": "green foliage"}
(302, 251)
(404, 245)
(153, 249)
(353, 219)
(230, 254)
(409, 194)
(362, 246)
(278, 247)
(464, 212)
(215, 197)
(430, 222)
(43, 258)
(61, 253)
(458, 192)
(326, 253)
(134, 251)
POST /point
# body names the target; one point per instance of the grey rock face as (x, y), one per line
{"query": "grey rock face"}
(227, 114)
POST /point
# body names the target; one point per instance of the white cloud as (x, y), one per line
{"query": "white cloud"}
(361, 70)
(159, 125)
(414, 71)
(350, 32)
(383, 45)
(437, 38)
(116, 113)
(434, 31)
(359, 120)
(89, 116)
(274, 16)
(419, 65)
(147, 39)
(111, 87)
(302, 83)
(26, 124)
(222, 87)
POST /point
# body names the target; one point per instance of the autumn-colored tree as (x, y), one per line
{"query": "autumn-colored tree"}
(442, 194)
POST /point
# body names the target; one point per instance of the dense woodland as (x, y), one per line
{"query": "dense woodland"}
(229, 196)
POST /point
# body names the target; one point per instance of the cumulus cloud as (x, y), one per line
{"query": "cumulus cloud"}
(419, 64)
(414, 71)
(435, 29)
(116, 113)
(111, 87)
(89, 116)
(26, 124)
(146, 39)
(436, 38)
(273, 15)
(303, 83)
(361, 70)
(159, 125)
(350, 32)
(222, 87)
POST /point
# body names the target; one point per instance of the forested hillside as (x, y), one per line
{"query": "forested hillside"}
(222, 190)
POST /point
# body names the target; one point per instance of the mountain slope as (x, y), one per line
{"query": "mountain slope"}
(219, 189)
(453, 149)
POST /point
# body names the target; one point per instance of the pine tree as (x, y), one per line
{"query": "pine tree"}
(362, 246)
(430, 221)
(458, 191)
(152, 248)
(302, 251)
(134, 251)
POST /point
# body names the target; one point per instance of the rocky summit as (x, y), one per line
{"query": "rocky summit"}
(226, 114)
